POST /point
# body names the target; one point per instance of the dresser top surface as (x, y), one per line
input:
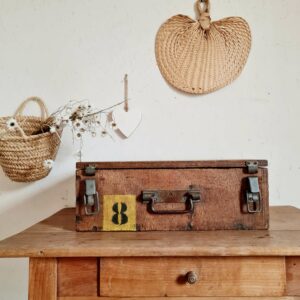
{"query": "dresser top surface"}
(56, 237)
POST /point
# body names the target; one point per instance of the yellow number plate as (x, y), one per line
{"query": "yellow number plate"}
(119, 213)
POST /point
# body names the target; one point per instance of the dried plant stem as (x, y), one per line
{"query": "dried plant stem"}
(104, 110)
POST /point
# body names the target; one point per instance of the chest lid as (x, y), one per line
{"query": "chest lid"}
(251, 165)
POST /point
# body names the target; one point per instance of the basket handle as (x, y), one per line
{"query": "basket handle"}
(37, 100)
(20, 109)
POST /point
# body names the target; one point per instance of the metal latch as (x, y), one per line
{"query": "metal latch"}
(253, 196)
(252, 167)
(91, 198)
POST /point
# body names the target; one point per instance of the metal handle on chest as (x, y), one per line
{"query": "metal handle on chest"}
(189, 197)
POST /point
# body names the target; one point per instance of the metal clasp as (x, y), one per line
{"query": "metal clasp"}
(91, 198)
(253, 196)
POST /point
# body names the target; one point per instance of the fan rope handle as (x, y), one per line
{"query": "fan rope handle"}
(37, 100)
(204, 13)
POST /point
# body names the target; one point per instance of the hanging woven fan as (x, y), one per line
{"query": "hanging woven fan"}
(200, 56)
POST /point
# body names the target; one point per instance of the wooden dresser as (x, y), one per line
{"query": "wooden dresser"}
(243, 265)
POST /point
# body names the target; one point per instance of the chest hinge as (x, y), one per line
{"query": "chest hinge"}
(90, 170)
(252, 167)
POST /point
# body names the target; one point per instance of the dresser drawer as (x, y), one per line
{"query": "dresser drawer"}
(215, 276)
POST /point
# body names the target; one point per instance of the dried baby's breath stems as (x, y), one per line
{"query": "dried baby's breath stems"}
(83, 119)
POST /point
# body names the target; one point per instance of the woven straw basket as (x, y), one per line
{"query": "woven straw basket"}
(24, 150)
(201, 56)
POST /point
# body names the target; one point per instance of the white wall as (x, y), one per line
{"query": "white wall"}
(76, 49)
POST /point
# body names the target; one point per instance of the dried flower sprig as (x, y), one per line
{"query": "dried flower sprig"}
(48, 164)
(82, 119)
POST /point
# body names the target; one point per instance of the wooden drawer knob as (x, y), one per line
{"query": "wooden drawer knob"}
(191, 277)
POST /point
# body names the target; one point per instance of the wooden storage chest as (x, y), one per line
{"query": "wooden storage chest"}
(171, 196)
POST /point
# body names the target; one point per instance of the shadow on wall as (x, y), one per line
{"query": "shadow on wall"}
(6, 185)
(35, 207)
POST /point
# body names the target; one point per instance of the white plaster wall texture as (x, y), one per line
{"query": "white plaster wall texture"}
(80, 49)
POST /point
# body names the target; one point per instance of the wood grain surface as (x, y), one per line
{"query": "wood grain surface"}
(216, 277)
(180, 298)
(293, 276)
(77, 277)
(43, 279)
(56, 237)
